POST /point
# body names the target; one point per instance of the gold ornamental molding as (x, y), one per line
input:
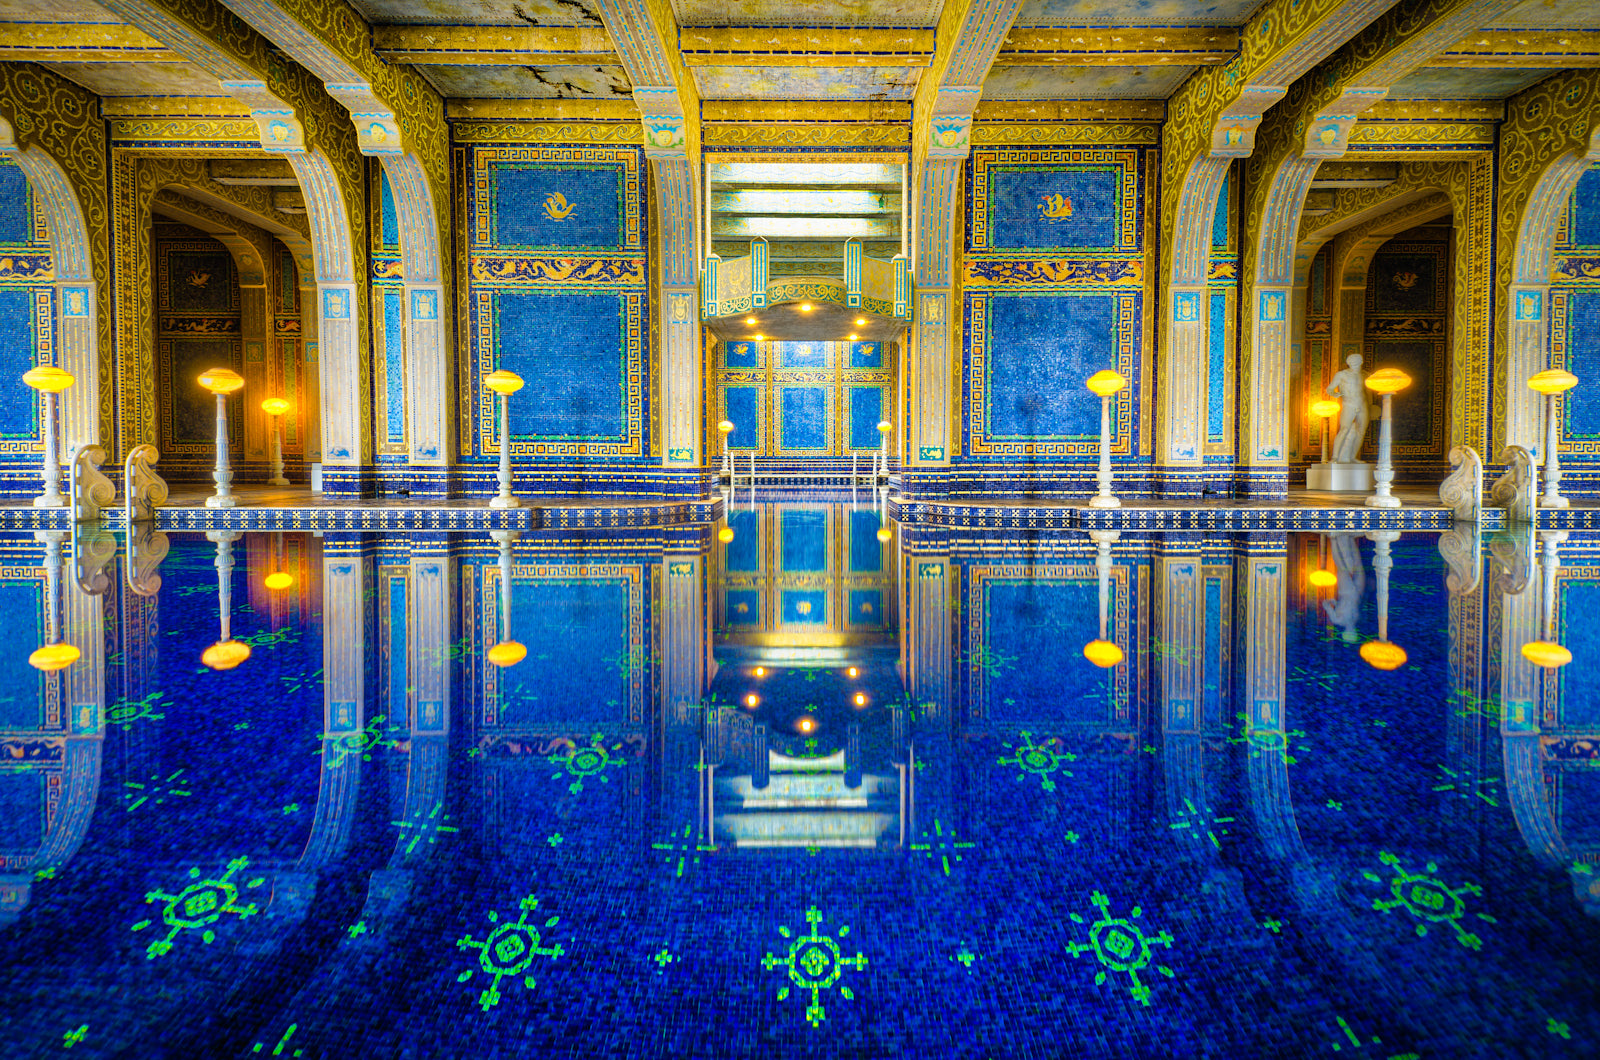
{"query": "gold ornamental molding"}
(542, 110)
(67, 42)
(804, 46)
(534, 132)
(1080, 133)
(1128, 46)
(803, 111)
(1071, 110)
(1567, 48)
(495, 45)
(718, 134)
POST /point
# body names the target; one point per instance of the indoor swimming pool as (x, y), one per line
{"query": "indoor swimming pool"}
(801, 782)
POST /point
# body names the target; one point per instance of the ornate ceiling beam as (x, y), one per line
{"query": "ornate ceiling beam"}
(1131, 46)
(66, 42)
(804, 46)
(1567, 48)
(494, 45)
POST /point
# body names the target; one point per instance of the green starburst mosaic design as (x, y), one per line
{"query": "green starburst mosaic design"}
(198, 906)
(942, 844)
(586, 762)
(156, 789)
(683, 848)
(1466, 786)
(357, 744)
(425, 827)
(1201, 825)
(1043, 759)
(1120, 945)
(1429, 899)
(1287, 746)
(508, 950)
(990, 662)
(630, 662)
(128, 712)
(75, 1037)
(814, 962)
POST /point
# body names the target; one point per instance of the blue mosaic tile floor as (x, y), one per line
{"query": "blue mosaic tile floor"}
(696, 818)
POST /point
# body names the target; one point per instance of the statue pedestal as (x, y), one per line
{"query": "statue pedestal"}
(1340, 478)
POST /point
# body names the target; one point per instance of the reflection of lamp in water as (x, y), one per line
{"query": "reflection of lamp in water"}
(49, 381)
(222, 382)
(508, 652)
(725, 428)
(1548, 653)
(53, 655)
(1322, 577)
(1100, 651)
(226, 653)
(1551, 382)
(1324, 409)
(505, 384)
(1382, 654)
(725, 535)
(805, 725)
(1105, 384)
(275, 408)
(1387, 382)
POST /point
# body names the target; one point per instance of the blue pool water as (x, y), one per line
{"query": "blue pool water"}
(805, 792)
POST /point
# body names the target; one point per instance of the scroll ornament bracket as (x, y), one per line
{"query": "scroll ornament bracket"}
(1462, 491)
(1514, 490)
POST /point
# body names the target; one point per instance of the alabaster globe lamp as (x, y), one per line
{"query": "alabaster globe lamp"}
(49, 381)
(1386, 382)
(504, 384)
(275, 408)
(1552, 383)
(1105, 385)
(1324, 409)
(222, 382)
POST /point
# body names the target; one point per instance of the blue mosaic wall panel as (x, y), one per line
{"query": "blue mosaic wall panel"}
(741, 355)
(1580, 685)
(866, 551)
(866, 412)
(16, 219)
(1219, 220)
(22, 814)
(1584, 224)
(20, 685)
(575, 629)
(19, 416)
(394, 366)
(803, 607)
(568, 346)
(866, 355)
(1054, 207)
(864, 607)
(805, 418)
(550, 205)
(744, 607)
(743, 553)
(742, 408)
(1030, 662)
(803, 541)
(1047, 346)
(802, 354)
(1581, 404)
(388, 219)
(1217, 368)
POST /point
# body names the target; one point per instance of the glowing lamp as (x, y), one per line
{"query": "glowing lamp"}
(275, 406)
(752, 321)
(225, 654)
(1383, 654)
(1545, 653)
(884, 426)
(884, 534)
(725, 426)
(1549, 381)
(806, 725)
(1388, 381)
(48, 378)
(221, 381)
(854, 336)
(507, 653)
(1322, 579)
(761, 338)
(1106, 383)
(725, 534)
(853, 672)
(53, 657)
(861, 699)
(1102, 653)
(861, 322)
(752, 701)
(1324, 408)
(278, 581)
(805, 307)
(761, 671)
(503, 382)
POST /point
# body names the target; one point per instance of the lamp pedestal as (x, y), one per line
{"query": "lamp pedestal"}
(1381, 497)
(1552, 498)
(223, 475)
(504, 499)
(1104, 499)
(51, 496)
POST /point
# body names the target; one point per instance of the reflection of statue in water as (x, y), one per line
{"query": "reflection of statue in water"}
(1352, 411)
(1345, 608)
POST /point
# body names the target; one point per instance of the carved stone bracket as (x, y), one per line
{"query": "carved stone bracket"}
(1514, 491)
(1462, 492)
(91, 490)
(145, 490)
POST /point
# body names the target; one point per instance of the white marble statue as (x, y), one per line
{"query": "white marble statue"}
(1344, 610)
(1353, 411)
